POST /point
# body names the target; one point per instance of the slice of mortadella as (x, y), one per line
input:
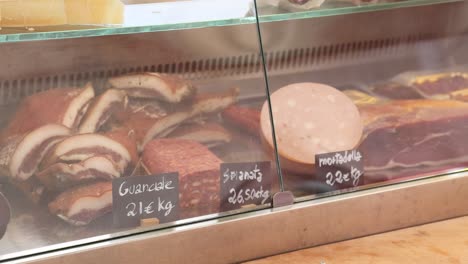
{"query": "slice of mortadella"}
(64, 106)
(81, 205)
(310, 119)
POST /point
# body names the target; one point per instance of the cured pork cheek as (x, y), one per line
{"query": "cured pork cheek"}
(127, 138)
(83, 204)
(209, 103)
(58, 106)
(139, 116)
(203, 104)
(209, 134)
(84, 146)
(101, 110)
(32, 148)
(169, 88)
(62, 175)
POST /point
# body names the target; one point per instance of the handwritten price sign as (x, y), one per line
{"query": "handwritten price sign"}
(340, 170)
(144, 197)
(245, 184)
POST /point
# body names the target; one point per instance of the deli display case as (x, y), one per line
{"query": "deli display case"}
(223, 131)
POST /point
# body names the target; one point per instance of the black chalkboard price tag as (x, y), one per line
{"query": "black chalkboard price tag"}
(340, 170)
(145, 197)
(5, 214)
(245, 184)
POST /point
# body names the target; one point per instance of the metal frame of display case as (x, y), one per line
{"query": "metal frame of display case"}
(400, 35)
(272, 231)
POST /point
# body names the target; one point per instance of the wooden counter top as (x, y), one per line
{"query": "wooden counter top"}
(441, 242)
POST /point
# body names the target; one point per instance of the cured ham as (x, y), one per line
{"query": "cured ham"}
(81, 205)
(168, 88)
(198, 170)
(65, 106)
(411, 133)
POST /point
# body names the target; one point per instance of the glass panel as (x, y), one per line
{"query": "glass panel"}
(277, 10)
(25, 20)
(376, 82)
(80, 114)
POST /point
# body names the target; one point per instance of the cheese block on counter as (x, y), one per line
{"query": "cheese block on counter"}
(40, 13)
(32, 13)
(22, 13)
(310, 119)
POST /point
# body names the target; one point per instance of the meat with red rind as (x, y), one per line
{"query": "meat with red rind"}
(198, 169)
(83, 146)
(32, 148)
(31, 188)
(102, 109)
(60, 176)
(244, 118)
(139, 116)
(126, 137)
(83, 204)
(203, 104)
(208, 134)
(165, 87)
(63, 106)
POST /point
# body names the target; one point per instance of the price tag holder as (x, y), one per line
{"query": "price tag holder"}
(245, 184)
(5, 215)
(145, 197)
(340, 170)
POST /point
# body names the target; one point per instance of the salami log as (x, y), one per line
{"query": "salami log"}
(198, 170)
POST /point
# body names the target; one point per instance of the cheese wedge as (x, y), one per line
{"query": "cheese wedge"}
(94, 12)
(29, 13)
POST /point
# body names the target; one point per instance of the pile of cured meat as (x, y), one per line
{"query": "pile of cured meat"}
(414, 124)
(65, 146)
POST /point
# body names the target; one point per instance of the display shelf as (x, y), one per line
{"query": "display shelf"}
(8, 35)
(275, 14)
